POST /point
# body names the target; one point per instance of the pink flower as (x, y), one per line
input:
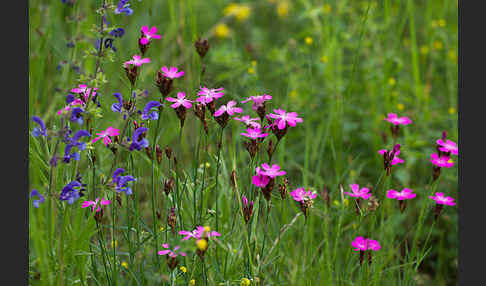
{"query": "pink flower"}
(395, 120)
(405, 194)
(207, 95)
(448, 146)
(441, 161)
(395, 159)
(439, 198)
(259, 179)
(284, 118)
(110, 131)
(172, 253)
(85, 91)
(359, 193)
(199, 233)
(137, 61)
(171, 72)
(75, 102)
(258, 100)
(181, 100)
(148, 34)
(254, 133)
(373, 245)
(300, 195)
(362, 244)
(228, 108)
(248, 121)
(95, 204)
(271, 172)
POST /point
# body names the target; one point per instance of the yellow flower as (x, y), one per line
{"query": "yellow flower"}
(434, 23)
(124, 264)
(207, 229)
(424, 50)
(452, 110)
(336, 202)
(394, 93)
(283, 9)
(327, 8)
(400, 106)
(324, 59)
(442, 23)
(438, 45)
(293, 94)
(452, 55)
(450, 161)
(392, 81)
(251, 70)
(308, 40)
(192, 282)
(245, 282)
(114, 243)
(254, 63)
(222, 31)
(183, 269)
(202, 244)
(161, 228)
(240, 11)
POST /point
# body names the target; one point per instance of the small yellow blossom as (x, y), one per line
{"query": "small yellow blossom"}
(161, 228)
(400, 106)
(251, 70)
(442, 23)
(308, 40)
(124, 264)
(452, 55)
(114, 243)
(424, 50)
(202, 244)
(245, 282)
(327, 8)
(392, 81)
(240, 11)
(183, 269)
(324, 59)
(450, 161)
(207, 229)
(452, 110)
(434, 24)
(192, 282)
(254, 63)
(438, 45)
(336, 202)
(222, 31)
(283, 9)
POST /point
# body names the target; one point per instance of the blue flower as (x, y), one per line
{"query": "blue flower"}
(124, 7)
(154, 115)
(69, 193)
(122, 181)
(137, 140)
(77, 115)
(73, 142)
(69, 98)
(117, 106)
(109, 44)
(39, 131)
(39, 201)
(117, 33)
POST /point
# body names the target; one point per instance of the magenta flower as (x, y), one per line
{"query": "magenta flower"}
(181, 100)
(395, 120)
(137, 61)
(74, 103)
(300, 195)
(171, 72)
(207, 95)
(95, 204)
(441, 161)
(229, 109)
(105, 135)
(247, 209)
(148, 34)
(405, 194)
(360, 244)
(198, 233)
(448, 146)
(259, 179)
(172, 253)
(248, 121)
(373, 245)
(395, 159)
(84, 91)
(258, 100)
(440, 199)
(271, 172)
(359, 193)
(283, 118)
(254, 133)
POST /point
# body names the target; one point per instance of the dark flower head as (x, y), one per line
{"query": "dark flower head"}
(109, 44)
(138, 140)
(123, 7)
(41, 199)
(41, 130)
(77, 115)
(154, 115)
(121, 182)
(70, 98)
(117, 106)
(117, 33)
(69, 193)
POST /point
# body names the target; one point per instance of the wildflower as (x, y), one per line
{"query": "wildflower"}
(124, 7)
(248, 121)
(72, 142)
(95, 204)
(247, 209)
(363, 193)
(171, 72)
(117, 106)
(172, 255)
(438, 45)
(324, 59)
(183, 269)
(209, 96)
(137, 61)
(424, 50)
(105, 135)
(35, 193)
(41, 130)
(121, 182)
(124, 264)
(168, 185)
(70, 105)
(396, 121)
(138, 139)
(117, 33)
(390, 158)
(154, 115)
(361, 244)
(400, 106)
(85, 93)
(192, 282)
(258, 104)
(131, 67)
(158, 153)
(401, 196)
(392, 81)
(260, 180)
(251, 70)
(70, 193)
(202, 47)
(326, 8)
(198, 233)
(308, 40)
(254, 133)
(442, 23)
(283, 9)
(77, 115)
(147, 35)
(441, 200)
(245, 282)
(452, 56)
(272, 171)
(240, 11)
(284, 119)
(222, 31)
(172, 218)
(304, 198)
(180, 105)
(440, 161)
(448, 147)
(222, 114)
(452, 110)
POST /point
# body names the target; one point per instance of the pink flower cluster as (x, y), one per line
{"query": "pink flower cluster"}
(265, 173)
(404, 194)
(106, 134)
(180, 100)
(95, 204)
(440, 199)
(395, 120)
(363, 193)
(301, 195)
(284, 119)
(396, 159)
(172, 253)
(362, 244)
(147, 35)
(198, 233)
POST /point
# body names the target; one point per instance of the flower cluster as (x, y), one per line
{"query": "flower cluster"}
(362, 245)
(304, 198)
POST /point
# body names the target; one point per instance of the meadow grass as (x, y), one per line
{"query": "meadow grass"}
(341, 65)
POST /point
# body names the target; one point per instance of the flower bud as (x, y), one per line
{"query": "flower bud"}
(172, 218)
(168, 185)
(202, 47)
